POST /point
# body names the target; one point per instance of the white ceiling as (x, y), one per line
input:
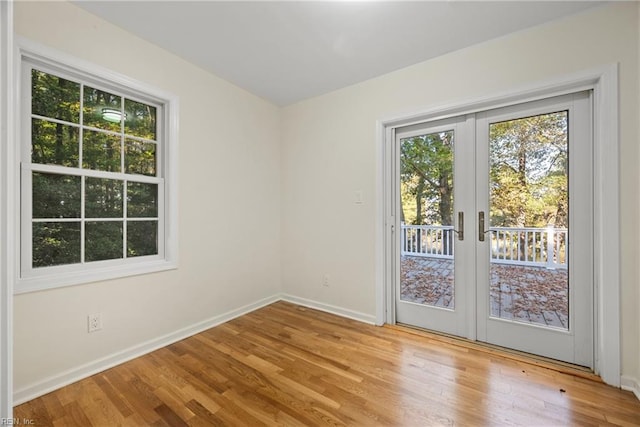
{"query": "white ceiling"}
(289, 51)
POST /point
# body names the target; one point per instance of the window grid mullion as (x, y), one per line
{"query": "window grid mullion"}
(122, 119)
(82, 219)
(54, 120)
(124, 183)
(124, 220)
(92, 128)
(81, 131)
(64, 170)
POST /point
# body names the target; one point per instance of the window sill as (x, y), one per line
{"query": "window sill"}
(71, 278)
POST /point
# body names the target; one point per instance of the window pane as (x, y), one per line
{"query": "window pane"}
(101, 151)
(142, 200)
(142, 238)
(103, 198)
(55, 97)
(56, 243)
(54, 143)
(103, 240)
(56, 196)
(102, 109)
(140, 157)
(140, 119)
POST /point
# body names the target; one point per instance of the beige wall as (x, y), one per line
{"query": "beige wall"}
(329, 151)
(229, 179)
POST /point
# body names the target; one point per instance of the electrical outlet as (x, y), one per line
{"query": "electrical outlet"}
(94, 322)
(325, 280)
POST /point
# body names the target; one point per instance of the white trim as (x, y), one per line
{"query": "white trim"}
(72, 64)
(630, 384)
(76, 374)
(333, 309)
(607, 225)
(28, 279)
(97, 274)
(604, 82)
(380, 231)
(70, 376)
(6, 194)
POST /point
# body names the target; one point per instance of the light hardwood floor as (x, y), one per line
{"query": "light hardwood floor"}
(289, 365)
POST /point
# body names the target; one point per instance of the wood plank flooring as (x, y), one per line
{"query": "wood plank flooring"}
(289, 365)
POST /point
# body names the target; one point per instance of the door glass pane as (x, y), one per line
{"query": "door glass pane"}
(529, 207)
(426, 192)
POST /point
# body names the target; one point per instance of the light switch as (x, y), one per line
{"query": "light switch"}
(358, 199)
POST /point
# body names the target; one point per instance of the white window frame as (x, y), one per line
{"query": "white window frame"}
(30, 279)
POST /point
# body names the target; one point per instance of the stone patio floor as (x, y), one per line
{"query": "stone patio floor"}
(521, 293)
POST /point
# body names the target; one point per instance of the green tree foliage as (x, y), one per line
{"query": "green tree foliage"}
(142, 238)
(140, 120)
(426, 177)
(55, 97)
(55, 243)
(103, 240)
(528, 176)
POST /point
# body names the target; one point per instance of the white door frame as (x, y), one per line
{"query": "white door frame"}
(604, 83)
(6, 149)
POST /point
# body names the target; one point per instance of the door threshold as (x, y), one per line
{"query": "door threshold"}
(507, 353)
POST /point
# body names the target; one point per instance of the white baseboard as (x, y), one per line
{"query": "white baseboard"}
(339, 311)
(630, 384)
(76, 374)
(60, 380)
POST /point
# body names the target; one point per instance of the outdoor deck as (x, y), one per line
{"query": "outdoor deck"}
(521, 293)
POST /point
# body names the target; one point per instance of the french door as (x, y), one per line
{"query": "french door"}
(494, 227)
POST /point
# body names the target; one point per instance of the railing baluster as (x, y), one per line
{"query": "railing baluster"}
(550, 248)
(512, 235)
(533, 246)
(435, 241)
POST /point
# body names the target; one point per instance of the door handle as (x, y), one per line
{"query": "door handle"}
(481, 230)
(460, 230)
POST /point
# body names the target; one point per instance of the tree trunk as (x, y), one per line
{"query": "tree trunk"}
(522, 213)
(419, 197)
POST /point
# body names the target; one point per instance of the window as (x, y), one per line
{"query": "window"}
(95, 195)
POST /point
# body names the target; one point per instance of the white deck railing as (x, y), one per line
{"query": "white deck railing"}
(541, 247)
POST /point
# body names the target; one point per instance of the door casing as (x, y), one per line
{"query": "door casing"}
(604, 83)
